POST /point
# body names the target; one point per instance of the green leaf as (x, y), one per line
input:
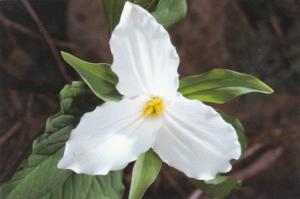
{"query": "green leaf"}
(38, 176)
(220, 187)
(145, 171)
(147, 4)
(169, 12)
(99, 77)
(237, 125)
(113, 10)
(221, 85)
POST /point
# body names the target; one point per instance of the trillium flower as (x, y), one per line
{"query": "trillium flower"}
(186, 134)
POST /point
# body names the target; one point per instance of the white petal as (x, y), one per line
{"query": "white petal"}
(144, 58)
(196, 140)
(109, 137)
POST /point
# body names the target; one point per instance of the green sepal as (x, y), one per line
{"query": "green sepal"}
(145, 171)
(221, 85)
(98, 76)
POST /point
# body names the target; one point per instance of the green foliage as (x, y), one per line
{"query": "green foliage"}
(237, 125)
(145, 171)
(99, 77)
(38, 176)
(113, 10)
(220, 187)
(147, 4)
(221, 85)
(169, 12)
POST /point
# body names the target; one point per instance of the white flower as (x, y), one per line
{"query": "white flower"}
(186, 134)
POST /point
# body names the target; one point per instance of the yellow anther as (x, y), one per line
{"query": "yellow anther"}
(148, 111)
(157, 108)
(154, 107)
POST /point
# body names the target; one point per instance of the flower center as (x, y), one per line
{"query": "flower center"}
(154, 107)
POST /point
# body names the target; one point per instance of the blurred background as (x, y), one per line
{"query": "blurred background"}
(260, 37)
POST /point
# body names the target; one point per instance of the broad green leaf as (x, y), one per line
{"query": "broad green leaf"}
(221, 85)
(38, 176)
(220, 187)
(169, 12)
(145, 171)
(113, 10)
(237, 125)
(98, 77)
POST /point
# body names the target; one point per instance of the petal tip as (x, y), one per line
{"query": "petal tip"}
(60, 165)
(130, 9)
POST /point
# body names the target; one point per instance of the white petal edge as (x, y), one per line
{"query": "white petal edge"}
(109, 137)
(196, 140)
(144, 58)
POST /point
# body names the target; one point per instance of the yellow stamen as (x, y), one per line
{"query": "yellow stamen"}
(154, 107)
